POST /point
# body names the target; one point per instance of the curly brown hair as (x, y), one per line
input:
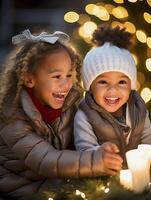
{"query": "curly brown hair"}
(115, 35)
(26, 59)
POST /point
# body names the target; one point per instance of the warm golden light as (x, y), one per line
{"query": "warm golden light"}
(109, 8)
(89, 8)
(130, 27)
(132, 1)
(149, 2)
(135, 58)
(141, 36)
(149, 42)
(83, 18)
(118, 1)
(148, 64)
(147, 17)
(120, 12)
(71, 17)
(116, 23)
(87, 29)
(146, 94)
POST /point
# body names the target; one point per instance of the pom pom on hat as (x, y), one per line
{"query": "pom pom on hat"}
(108, 58)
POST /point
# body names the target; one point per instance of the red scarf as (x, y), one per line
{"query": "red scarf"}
(48, 114)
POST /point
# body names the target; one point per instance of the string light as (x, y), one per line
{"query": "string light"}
(71, 17)
(148, 64)
(120, 12)
(132, 1)
(147, 17)
(141, 36)
(149, 42)
(119, 1)
(146, 94)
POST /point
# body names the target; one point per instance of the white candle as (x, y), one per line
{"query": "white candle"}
(139, 165)
(147, 149)
(126, 178)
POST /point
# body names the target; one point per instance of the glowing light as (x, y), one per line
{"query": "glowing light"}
(148, 64)
(106, 190)
(130, 27)
(120, 12)
(83, 195)
(132, 1)
(118, 1)
(87, 29)
(146, 94)
(50, 198)
(77, 192)
(115, 23)
(149, 2)
(141, 36)
(109, 8)
(149, 42)
(135, 58)
(147, 17)
(89, 8)
(83, 18)
(71, 17)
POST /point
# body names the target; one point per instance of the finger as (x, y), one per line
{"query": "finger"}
(110, 147)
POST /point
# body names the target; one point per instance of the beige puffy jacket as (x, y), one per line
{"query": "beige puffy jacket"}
(33, 155)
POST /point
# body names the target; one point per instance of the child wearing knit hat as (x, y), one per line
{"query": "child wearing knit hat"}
(112, 114)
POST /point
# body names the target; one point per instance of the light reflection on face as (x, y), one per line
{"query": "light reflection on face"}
(111, 90)
(53, 79)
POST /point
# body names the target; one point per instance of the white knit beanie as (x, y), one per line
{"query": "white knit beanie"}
(108, 58)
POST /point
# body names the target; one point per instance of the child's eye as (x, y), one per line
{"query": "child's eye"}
(122, 82)
(56, 77)
(69, 75)
(102, 82)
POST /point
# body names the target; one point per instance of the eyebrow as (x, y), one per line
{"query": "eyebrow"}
(57, 70)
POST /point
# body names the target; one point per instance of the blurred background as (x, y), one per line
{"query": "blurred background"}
(79, 18)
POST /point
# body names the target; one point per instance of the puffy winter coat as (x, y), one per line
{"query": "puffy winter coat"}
(34, 155)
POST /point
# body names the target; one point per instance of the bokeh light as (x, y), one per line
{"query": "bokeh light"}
(148, 64)
(147, 17)
(141, 36)
(120, 12)
(146, 94)
(71, 17)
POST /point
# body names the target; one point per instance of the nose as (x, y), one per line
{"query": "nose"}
(113, 88)
(65, 83)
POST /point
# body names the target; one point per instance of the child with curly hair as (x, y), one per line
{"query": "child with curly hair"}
(38, 98)
(112, 112)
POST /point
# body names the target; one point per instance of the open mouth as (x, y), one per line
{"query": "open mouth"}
(60, 96)
(112, 100)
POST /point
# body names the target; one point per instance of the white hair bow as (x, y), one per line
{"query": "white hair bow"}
(44, 37)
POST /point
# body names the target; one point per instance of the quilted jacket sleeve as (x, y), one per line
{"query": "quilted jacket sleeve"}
(44, 159)
(146, 134)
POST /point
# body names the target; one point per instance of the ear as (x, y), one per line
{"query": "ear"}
(29, 80)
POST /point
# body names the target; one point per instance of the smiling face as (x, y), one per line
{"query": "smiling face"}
(111, 90)
(52, 80)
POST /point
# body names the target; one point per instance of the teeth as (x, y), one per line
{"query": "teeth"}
(61, 93)
(111, 98)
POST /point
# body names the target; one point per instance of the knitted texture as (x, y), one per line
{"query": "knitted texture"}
(108, 58)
